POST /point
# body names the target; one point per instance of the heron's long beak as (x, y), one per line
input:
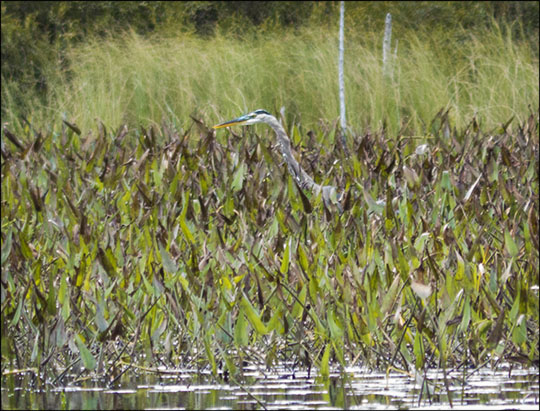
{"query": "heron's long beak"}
(236, 121)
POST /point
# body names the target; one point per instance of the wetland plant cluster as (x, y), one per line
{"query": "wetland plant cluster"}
(195, 249)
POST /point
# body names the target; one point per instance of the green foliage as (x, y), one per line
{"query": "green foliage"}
(191, 248)
(186, 248)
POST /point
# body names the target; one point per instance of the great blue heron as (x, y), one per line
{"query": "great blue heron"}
(329, 193)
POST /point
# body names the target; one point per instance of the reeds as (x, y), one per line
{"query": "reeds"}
(138, 80)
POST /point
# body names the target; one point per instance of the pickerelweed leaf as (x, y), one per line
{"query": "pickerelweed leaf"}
(285, 259)
(253, 317)
(519, 334)
(238, 178)
(167, 261)
(336, 328)
(496, 331)
(460, 272)
(390, 297)
(419, 350)
(466, 317)
(510, 244)
(88, 359)
(6, 247)
(305, 201)
(375, 206)
(302, 258)
(240, 330)
(325, 361)
(185, 229)
(210, 355)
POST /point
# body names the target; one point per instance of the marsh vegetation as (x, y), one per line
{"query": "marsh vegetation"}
(133, 233)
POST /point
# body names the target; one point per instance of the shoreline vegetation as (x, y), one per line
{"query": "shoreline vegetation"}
(134, 233)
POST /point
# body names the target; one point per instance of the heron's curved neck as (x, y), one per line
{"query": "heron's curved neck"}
(302, 178)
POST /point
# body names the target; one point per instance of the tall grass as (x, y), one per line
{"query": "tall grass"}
(139, 81)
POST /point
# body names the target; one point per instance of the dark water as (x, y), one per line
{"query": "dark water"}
(357, 388)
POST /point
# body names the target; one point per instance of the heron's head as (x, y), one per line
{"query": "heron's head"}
(257, 116)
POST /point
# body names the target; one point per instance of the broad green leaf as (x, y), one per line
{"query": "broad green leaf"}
(26, 252)
(376, 206)
(496, 331)
(419, 243)
(35, 349)
(313, 287)
(253, 317)
(338, 351)
(167, 261)
(305, 201)
(100, 316)
(87, 358)
(238, 178)
(445, 181)
(210, 355)
(6, 247)
(519, 334)
(460, 272)
(229, 363)
(325, 366)
(336, 329)
(390, 296)
(466, 318)
(107, 261)
(515, 309)
(302, 258)
(403, 264)
(298, 307)
(510, 244)
(419, 350)
(66, 309)
(449, 313)
(62, 291)
(240, 330)
(182, 220)
(17, 315)
(275, 323)
(285, 259)
(52, 297)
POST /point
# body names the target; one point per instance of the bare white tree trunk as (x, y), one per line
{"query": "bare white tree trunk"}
(342, 81)
(341, 76)
(387, 64)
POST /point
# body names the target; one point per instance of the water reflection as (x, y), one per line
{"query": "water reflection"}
(355, 388)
